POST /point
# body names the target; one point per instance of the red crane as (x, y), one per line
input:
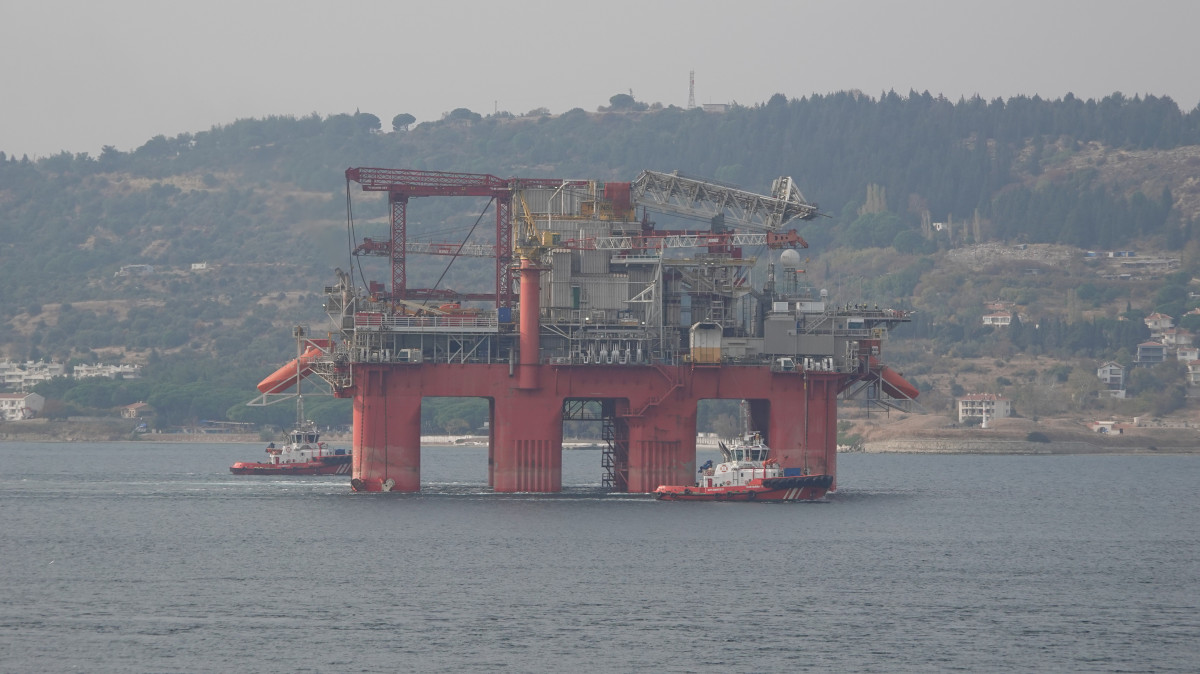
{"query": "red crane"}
(404, 184)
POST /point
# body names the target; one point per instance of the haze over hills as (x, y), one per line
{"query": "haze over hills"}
(99, 251)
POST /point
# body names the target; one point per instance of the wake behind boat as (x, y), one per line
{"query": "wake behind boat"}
(747, 474)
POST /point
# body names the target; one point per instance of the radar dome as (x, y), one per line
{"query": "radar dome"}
(790, 259)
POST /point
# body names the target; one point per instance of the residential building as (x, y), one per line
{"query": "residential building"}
(1113, 376)
(111, 371)
(998, 318)
(1176, 337)
(1188, 353)
(1158, 323)
(1150, 353)
(25, 375)
(137, 410)
(985, 406)
(1193, 373)
(17, 406)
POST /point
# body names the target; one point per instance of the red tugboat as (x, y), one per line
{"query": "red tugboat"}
(302, 454)
(746, 474)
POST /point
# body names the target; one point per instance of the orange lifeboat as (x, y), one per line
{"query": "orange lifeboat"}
(893, 384)
(285, 377)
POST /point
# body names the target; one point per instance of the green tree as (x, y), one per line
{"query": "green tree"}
(911, 242)
(621, 102)
(1163, 386)
(462, 115)
(401, 121)
(367, 121)
(873, 230)
(1190, 322)
(625, 103)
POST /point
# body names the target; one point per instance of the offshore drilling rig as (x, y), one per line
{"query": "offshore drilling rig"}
(598, 315)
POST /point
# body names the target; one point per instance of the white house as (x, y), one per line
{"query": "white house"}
(27, 374)
(1158, 322)
(1113, 376)
(125, 371)
(16, 406)
(1188, 353)
(998, 318)
(1177, 337)
(983, 406)
(1193, 375)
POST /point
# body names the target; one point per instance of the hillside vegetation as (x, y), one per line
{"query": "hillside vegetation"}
(914, 186)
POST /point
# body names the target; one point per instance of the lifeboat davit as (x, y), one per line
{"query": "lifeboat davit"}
(893, 384)
(285, 377)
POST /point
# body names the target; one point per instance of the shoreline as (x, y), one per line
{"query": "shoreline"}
(914, 445)
(914, 441)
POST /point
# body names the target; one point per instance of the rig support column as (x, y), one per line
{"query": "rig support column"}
(530, 345)
(492, 443)
(662, 445)
(387, 435)
(527, 446)
(819, 411)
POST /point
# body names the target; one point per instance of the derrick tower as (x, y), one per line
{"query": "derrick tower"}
(597, 314)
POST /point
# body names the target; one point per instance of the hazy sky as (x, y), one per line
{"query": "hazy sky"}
(80, 75)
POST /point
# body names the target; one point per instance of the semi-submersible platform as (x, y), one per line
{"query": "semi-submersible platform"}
(597, 314)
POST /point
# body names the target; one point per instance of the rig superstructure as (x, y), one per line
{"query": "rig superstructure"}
(611, 319)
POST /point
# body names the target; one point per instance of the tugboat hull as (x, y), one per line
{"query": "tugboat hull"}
(799, 488)
(333, 465)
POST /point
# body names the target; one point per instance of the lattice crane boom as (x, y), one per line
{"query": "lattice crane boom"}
(658, 241)
(703, 200)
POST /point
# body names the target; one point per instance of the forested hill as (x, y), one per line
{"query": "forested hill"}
(263, 201)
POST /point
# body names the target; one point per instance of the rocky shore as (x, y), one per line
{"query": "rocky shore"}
(103, 430)
(918, 445)
(930, 434)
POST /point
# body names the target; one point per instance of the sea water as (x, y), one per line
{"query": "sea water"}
(149, 557)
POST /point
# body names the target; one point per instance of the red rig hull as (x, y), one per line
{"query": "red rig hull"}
(803, 488)
(655, 408)
(330, 465)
